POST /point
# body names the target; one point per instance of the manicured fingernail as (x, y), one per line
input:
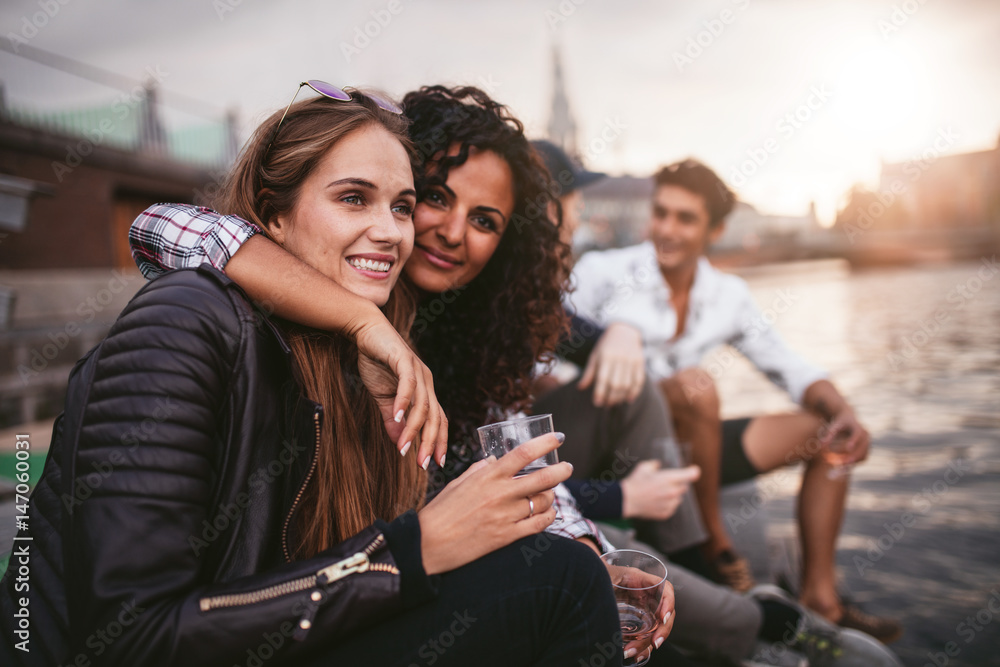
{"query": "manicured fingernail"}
(426, 462)
(441, 460)
(658, 642)
(666, 616)
(629, 653)
(405, 448)
(399, 417)
(561, 437)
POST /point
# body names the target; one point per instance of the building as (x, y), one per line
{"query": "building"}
(71, 182)
(933, 207)
(957, 191)
(562, 125)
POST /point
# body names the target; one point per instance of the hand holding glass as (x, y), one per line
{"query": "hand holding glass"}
(500, 438)
(638, 580)
(838, 456)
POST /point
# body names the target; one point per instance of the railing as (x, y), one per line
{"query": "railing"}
(57, 94)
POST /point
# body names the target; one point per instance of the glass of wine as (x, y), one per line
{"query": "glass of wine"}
(500, 438)
(837, 455)
(638, 579)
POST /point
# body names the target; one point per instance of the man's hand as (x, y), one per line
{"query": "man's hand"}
(651, 493)
(617, 365)
(849, 438)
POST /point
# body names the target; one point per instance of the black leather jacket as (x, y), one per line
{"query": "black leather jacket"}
(160, 528)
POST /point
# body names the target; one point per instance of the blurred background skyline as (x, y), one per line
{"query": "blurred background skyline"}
(792, 102)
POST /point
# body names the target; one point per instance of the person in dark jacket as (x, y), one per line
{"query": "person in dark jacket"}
(222, 488)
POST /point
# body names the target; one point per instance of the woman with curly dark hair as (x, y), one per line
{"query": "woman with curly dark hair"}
(506, 277)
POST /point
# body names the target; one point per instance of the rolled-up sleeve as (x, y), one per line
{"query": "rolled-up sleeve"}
(572, 524)
(178, 236)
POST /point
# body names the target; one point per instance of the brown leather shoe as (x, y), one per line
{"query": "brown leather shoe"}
(886, 630)
(734, 571)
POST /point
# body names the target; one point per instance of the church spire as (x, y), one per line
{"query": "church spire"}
(562, 127)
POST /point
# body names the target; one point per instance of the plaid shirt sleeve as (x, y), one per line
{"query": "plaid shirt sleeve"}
(176, 236)
(572, 524)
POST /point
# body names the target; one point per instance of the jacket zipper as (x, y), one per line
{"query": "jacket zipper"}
(357, 563)
(317, 413)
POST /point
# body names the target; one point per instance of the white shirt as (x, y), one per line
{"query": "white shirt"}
(625, 285)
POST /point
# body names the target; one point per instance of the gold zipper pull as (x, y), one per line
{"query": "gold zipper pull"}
(357, 563)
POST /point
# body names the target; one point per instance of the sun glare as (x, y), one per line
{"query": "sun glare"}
(882, 101)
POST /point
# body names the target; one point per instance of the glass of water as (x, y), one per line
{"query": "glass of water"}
(500, 438)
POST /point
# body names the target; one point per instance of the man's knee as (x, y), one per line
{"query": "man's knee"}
(692, 393)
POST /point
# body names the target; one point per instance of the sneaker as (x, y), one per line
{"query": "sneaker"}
(823, 643)
(733, 571)
(771, 654)
(886, 630)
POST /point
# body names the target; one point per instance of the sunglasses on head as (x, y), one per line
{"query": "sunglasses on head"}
(334, 93)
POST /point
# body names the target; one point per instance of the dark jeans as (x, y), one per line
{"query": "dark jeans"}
(543, 600)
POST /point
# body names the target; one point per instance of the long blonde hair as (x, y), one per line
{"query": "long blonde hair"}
(359, 475)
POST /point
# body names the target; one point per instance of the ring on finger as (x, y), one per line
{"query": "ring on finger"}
(531, 508)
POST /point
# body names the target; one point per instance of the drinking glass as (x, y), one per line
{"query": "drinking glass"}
(500, 438)
(675, 454)
(638, 579)
(836, 455)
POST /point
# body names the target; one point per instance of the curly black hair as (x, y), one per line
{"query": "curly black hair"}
(483, 345)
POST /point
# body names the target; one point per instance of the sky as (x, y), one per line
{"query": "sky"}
(791, 101)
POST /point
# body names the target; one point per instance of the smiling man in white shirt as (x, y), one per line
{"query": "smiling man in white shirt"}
(682, 308)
